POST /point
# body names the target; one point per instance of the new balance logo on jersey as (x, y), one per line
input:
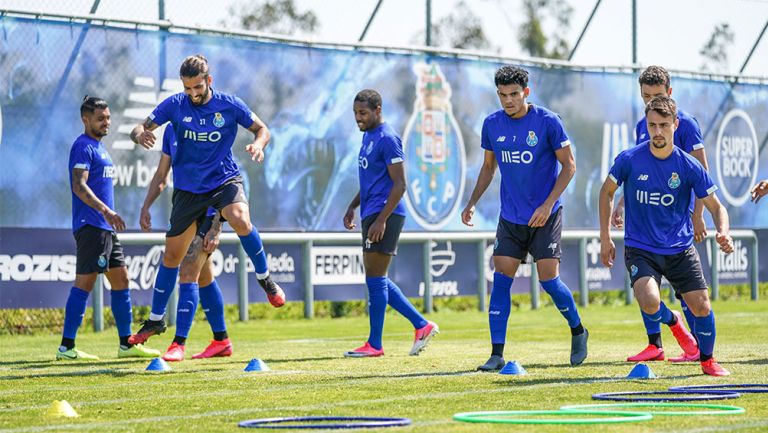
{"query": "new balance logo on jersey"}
(109, 171)
(501, 139)
(211, 137)
(642, 177)
(654, 198)
(187, 119)
(516, 157)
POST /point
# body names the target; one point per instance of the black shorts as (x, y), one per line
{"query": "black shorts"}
(189, 208)
(388, 244)
(682, 270)
(98, 250)
(517, 240)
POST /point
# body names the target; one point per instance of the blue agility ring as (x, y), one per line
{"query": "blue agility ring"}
(343, 422)
(667, 395)
(755, 388)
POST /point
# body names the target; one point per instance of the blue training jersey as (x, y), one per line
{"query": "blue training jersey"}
(90, 155)
(381, 147)
(525, 152)
(203, 158)
(169, 148)
(687, 135)
(657, 197)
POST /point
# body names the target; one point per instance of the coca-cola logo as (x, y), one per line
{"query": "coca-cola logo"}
(142, 269)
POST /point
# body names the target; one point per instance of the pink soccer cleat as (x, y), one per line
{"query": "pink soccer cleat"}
(364, 351)
(650, 353)
(422, 336)
(175, 353)
(216, 348)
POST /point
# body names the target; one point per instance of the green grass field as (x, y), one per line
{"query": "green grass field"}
(310, 377)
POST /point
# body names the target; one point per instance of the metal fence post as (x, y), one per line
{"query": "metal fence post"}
(427, 263)
(583, 288)
(242, 283)
(628, 293)
(534, 284)
(309, 289)
(98, 304)
(714, 268)
(482, 286)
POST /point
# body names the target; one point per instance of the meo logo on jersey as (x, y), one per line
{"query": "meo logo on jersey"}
(654, 198)
(211, 137)
(516, 157)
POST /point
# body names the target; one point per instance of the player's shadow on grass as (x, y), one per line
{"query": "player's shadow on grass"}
(412, 375)
(525, 381)
(37, 365)
(763, 361)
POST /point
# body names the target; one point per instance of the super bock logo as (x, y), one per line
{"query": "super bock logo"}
(434, 151)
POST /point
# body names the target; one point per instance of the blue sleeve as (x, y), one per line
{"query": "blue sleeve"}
(391, 150)
(556, 135)
(164, 112)
(638, 131)
(243, 115)
(169, 136)
(690, 135)
(620, 170)
(81, 158)
(485, 141)
(702, 182)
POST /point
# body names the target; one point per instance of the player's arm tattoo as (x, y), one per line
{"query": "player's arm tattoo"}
(84, 192)
(148, 125)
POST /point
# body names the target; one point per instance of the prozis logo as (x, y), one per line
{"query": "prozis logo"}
(736, 156)
(37, 267)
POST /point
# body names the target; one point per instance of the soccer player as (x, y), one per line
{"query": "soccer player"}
(655, 81)
(196, 266)
(94, 223)
(658, 178)
(382, 215)
(205, 175)
(759, 190)
(526, 142)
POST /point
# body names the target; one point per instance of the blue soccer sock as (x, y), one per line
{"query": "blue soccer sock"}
(665, 314)
(377, 306)
(164, 285)
(213, 306)
(74, 312)
(499, 307)
(255, 250)
(121, 310)
(689, 318)
(651, 326)
(189, 296)
(705, 331)
(400, 303)
(563, 298)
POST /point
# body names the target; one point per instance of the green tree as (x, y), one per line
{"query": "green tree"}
(531, 34)
(715, 50)
(460, 29)
(273, 16)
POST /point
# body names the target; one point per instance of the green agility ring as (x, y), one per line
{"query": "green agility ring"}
(506, 417)
(713, 409)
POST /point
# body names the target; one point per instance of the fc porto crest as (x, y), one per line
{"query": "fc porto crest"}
(674, 180)
(102, 261)
(218, 120)
(532, 140)
(434, 152)
(633, 270)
